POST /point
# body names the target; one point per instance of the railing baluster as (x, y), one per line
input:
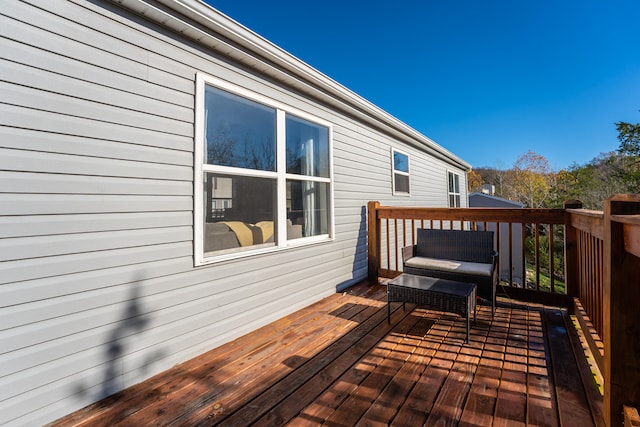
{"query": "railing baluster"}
(551, 258)
(523, 250)
(537, 254)
(388, 244)
(510, 254)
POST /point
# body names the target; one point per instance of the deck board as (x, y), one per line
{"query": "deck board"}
(339, 363)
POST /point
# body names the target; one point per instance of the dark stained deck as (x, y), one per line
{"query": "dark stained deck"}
(339, 363)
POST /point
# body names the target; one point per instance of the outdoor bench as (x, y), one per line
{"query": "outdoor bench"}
(459, 255)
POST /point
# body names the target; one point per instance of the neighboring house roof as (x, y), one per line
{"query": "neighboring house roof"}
(220, 33)
(481, 200)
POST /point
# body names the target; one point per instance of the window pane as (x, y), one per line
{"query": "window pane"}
(400, 162)
(238, 132)
(239, 212)
(456, 184)
(450, 176)
(307, 209)
(401, 183)
(307, 148)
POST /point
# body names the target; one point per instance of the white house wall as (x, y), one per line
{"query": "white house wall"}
(98, 288)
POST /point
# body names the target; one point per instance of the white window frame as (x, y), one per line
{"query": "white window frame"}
(395, 172)
(281, 176)
(453, 193)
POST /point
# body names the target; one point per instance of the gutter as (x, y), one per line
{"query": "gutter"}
(216, 31)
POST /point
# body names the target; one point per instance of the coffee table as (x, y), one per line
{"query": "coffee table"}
(440, 294)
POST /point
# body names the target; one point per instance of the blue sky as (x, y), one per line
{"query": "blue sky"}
(488, 80)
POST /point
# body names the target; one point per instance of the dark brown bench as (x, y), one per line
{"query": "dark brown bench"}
(458, 255)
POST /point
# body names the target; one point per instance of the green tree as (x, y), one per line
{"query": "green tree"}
(629, 137)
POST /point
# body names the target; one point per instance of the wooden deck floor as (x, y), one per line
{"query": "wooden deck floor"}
(339, 363)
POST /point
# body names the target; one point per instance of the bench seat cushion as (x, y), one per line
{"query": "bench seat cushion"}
(461, 267)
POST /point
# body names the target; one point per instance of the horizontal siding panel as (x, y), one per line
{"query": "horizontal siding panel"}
(56, 289)
(24, 182)
(46, 204)
(43, 246)
(137, 66)
(43, 225)
(33, 140)
(112, 36)
(70, 21)
(14, 271)
(36, 57)
(93, 328)
(29, 161)
(47, 121)
(72, 106)
(132, 104)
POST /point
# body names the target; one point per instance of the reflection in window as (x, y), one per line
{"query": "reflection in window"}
(307, 208)
(239, 133)
(239, 212)
(400, 173)
(238, 206)
(307, 148)
(453, 189)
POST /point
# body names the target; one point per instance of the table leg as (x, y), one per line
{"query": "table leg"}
(468, 320)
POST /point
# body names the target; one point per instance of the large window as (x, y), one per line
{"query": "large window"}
(400, 172)
(263, 173)
(453, 189)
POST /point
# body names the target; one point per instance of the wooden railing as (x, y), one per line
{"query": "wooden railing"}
(600, 271)
(526, 239)
(585, 246)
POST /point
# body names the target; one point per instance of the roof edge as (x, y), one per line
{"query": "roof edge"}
(239, 42)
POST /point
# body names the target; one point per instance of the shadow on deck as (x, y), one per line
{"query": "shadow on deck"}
(338, 362)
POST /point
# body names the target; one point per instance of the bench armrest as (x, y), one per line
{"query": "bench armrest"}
(408, 252)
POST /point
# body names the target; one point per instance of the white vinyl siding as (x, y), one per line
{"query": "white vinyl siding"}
(97, 207)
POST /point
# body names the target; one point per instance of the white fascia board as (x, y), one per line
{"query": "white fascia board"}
(223, 34)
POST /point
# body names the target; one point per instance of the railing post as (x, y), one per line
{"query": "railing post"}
(571, 255)
(621, 323)
(373, 241)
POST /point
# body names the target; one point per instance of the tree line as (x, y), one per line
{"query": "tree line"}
(532, 182)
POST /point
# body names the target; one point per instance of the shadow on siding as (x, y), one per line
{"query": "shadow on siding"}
(133, 322)
(359, 269)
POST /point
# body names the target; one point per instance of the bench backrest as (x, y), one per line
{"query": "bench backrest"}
(459, 245)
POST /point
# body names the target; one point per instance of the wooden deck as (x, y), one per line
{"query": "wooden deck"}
(339, 363)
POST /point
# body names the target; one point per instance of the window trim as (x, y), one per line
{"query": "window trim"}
(394, 172)
(280, 175)
(449, 193)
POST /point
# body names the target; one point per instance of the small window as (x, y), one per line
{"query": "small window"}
(401, 182)
(453, 189)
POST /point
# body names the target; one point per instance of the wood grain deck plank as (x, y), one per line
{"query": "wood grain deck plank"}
(480, 404)
(447, 409)
(338, 362)
(170, 382)
(385, 407)
(419, 402)
(384, 361)
(573, 407)
(331, 386)
(286, 398)
(249, 383)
